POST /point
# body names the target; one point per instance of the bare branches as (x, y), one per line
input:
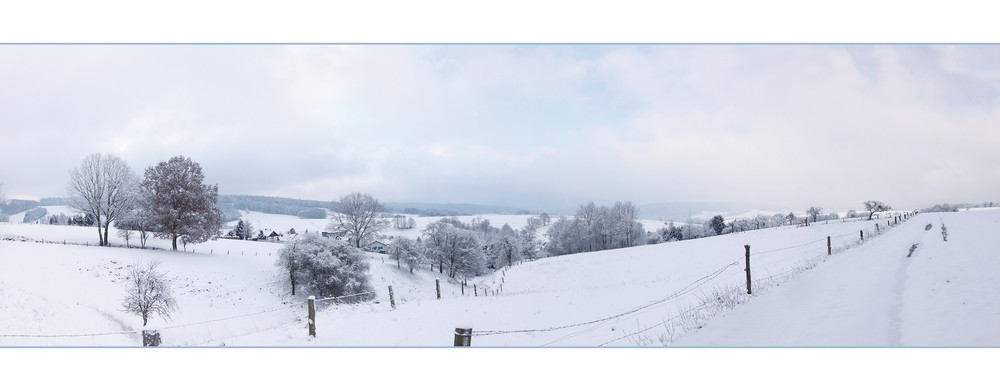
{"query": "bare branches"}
(359, 216)
(105, 187)
(149, 292)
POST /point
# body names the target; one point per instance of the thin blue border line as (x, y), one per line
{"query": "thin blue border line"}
(500, 347)
(502, 43)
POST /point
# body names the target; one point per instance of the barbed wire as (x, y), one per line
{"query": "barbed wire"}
(345, 296)
(68, 335)
(697, 283)
(295, 304)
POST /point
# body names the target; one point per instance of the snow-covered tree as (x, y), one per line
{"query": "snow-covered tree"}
(359, 215)
(403, 222)
(325, 267)
(875, 206)
(127, 234)
(177, 204)
(240, 231)
(814, 212)
(134, 221)
(717, 224)
(505, 247)
(148, 292)
(405, 250)
(460, 249)
(104, 186)
(545, 218)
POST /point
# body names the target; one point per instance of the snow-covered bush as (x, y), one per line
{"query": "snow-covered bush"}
(325, 267)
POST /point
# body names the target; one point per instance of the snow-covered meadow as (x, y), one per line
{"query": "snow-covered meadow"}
(680, 293)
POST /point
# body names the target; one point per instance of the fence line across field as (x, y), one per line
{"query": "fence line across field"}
(687, 289)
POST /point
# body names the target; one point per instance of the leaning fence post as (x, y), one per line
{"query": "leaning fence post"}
(150, 338)
(312, 316)
(862, 234)
(829, 249)
(463, 336)
(437, 284)
(475, 290)
(748, 267)
(392, 299)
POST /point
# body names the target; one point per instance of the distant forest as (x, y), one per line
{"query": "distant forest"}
(230, 205)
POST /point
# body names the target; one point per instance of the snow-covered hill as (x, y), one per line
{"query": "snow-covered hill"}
(680, 293)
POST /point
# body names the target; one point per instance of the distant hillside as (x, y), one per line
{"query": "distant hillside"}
(433, 209)
(680, 211)
(232, 204)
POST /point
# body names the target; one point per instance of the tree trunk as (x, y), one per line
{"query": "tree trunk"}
(107, 226)
(175, 242)
(100, 236)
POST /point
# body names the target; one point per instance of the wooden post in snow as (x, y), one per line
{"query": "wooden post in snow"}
(829, 249)
(437, 284)
(862, 235)
(392, 299)
(312, 316)
(150, 338)
(463, 336)
(475, 290)
(747, 247)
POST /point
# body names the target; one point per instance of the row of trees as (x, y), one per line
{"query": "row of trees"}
(170, 201)
(596, 228)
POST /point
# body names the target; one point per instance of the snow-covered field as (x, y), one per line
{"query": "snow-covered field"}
(689, 293)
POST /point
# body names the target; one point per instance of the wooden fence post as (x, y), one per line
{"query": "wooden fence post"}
(876, 228)
(150, 338)
(312, 316)
(392, 299)
(475, 290)
(463, 336)
(829, 249)
(748, 268)
(437, 284)
(463, 289)
(862, 234)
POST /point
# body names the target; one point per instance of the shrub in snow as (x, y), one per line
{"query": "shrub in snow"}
(325, 267)
(148, 292)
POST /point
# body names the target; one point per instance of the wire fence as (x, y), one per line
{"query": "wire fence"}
(178, 326)
(769, 280)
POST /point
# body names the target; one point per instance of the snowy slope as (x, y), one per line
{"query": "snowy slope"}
(649, 295)
(944, 294)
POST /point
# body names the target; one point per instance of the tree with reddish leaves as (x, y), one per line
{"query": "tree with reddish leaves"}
(177, 204)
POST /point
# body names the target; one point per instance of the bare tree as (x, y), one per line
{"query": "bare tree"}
(358, 215)
(125, 233)
(875, 206)
(176, 204)
(149, 292)
(104, 186)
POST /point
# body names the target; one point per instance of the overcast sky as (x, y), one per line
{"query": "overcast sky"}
(531, 126)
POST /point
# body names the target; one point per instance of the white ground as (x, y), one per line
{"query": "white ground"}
(683, 293)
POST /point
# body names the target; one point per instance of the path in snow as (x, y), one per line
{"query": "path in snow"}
(874, 295)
